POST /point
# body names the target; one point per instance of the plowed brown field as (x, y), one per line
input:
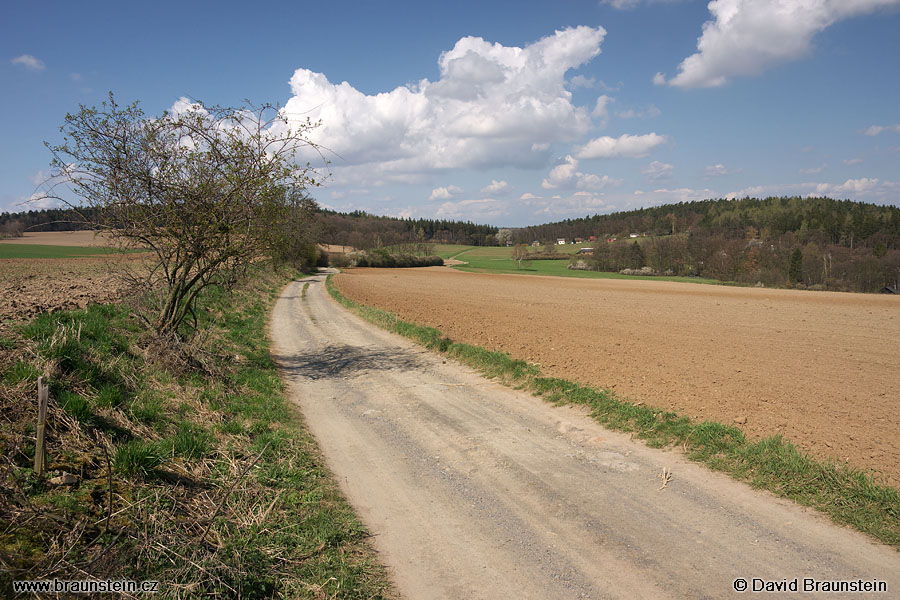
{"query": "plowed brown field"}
(60, 238)
(29, 286)
(820, 368)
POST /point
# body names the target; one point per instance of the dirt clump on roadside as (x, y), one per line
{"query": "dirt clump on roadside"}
(821, 369)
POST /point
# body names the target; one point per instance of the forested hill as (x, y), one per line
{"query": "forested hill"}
(805, 242)
(821, 220)
(47, 219)
(357, 229)
(362, 230)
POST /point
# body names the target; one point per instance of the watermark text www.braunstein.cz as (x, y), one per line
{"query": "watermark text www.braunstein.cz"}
(85, 586)
(808, 584)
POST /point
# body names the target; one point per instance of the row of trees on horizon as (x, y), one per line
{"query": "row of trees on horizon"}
(777, 262)
(365, 231)
(358, 229)
(822, 220)
(816, 242)
(813, 242)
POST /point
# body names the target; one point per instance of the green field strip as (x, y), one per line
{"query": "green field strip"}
(12, 250)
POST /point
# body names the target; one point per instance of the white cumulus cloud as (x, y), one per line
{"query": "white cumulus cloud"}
(745, 37)
(629, 4)
(495, 187)
(589, 181)
(625, 145)
(580, 81)
(579, 203)
(561, 175)
(601, 110)
(484, 209)
(720, 169)
(650, 111)
(493, 105)
(444, 193)
(29, 62)
(658, 171)
(37, 201)
(662, 196)
(876, 129)
(567, 176)
(863, 189)
(856, 187)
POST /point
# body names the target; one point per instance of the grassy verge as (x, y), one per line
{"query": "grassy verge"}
(847, 495)
(185, 465)
(494, 259)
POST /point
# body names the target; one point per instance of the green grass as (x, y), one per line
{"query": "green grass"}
(110, 396)
(497, 259)
(192, 441)
(492, 259)
(76, 405)
(446, 251)
(21, 371)
(847, 495)
(137, 458)
(560, 248)
(12, 250)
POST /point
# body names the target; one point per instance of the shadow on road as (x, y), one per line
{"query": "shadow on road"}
(346, 361)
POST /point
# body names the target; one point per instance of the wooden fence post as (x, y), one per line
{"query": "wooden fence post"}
(40, 452)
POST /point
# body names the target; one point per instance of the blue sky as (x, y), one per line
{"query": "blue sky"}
(510, 113)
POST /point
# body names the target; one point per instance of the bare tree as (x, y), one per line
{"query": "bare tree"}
(520, 255)
(208, 190)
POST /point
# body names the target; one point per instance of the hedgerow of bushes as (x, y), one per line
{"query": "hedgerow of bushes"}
(386, 260)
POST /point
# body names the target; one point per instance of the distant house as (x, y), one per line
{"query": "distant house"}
(593, 238)
(561, 241)
(611, 239)
(634, 235)
(535, 243)
(579, 240)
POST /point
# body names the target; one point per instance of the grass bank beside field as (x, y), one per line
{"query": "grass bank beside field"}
(185, 465)
(847, 495)
(497, 259)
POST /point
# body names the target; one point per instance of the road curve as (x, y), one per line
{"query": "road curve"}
(472, 490)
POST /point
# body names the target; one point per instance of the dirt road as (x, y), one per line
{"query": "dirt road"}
(472, 490)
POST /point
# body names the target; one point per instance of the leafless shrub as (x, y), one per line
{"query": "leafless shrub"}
(208, 190)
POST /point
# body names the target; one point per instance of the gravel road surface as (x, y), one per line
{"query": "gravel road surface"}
(472, 490)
